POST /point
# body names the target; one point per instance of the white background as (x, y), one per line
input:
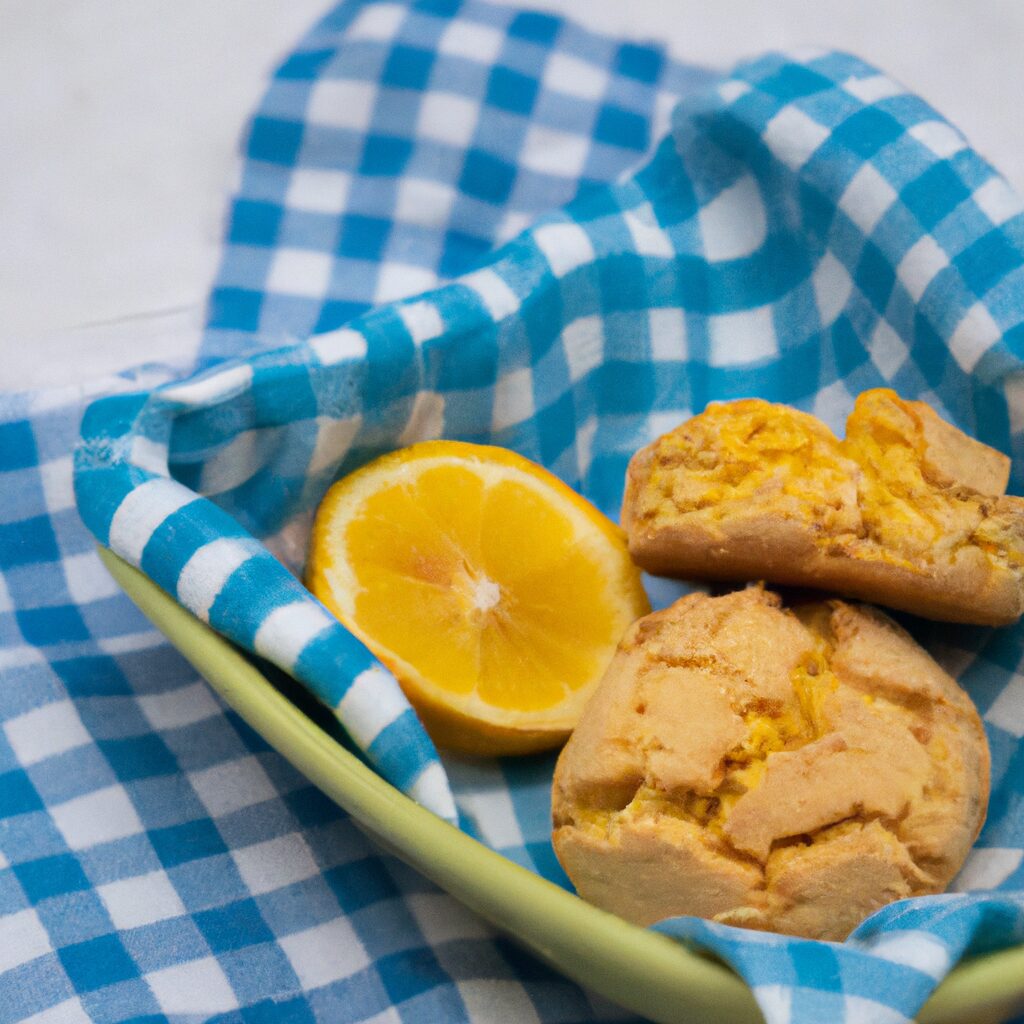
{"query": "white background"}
(119, 123)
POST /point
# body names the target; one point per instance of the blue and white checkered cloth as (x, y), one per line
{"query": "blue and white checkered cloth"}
(807, 230)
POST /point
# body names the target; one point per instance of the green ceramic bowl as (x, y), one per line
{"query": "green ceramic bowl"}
(641, 970)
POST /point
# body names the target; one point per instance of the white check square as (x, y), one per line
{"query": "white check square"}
(583, 343)
(318, 191)
(45, 732)
(400, 280)
(337, 346)
(478, 43)
(133, 902)
(300, 272)
(326, 953)
(976, 333)
(987, 868)
(920, 264)
(1007, 710)
(648, 237)
(668, 334)
(941, 138)
(448, 118)
(495, 999)
(182, 706)
(275, 864)
(513, 398)
(378, 22)
(288, 629)
(232, 785)
(832, 286)
(424, 202)
(197, 987)
(494, 292)
(742, 337)
(422, 320)
(998, 201)
(866, 198)
(561, 154)
(794, 136)
(342, 103)
(873, 88)
(58, 491)
(24, 939)
(575, 77)
(99, 817)
(565, 245)
(888, 350)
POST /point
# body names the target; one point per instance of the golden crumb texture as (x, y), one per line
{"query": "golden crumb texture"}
(785, 770)
(906, 511)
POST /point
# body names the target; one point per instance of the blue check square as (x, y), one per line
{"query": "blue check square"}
(233, 926)
(487, 177)
(306, 65)
(407, 67)
(139, 757)
(97, 963)
(51, 876)
(384, 156)
(644, 63)
(193, 840)
(410, 973)
(27, 541)
(59, 624)
(987, 261)
(535, 27)
(361, 883)
(511, 90)
(255, 223)
(17, 446)
(274, 140)
(17, 794)
(620, 127)
(94, 676)
(238, 308)
(363, 237)
(867, 131)
(935, 194)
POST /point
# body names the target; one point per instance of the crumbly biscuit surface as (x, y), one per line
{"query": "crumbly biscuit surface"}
(906, 510)
(774, 769)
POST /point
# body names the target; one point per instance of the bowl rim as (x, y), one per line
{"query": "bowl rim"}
(641, 970)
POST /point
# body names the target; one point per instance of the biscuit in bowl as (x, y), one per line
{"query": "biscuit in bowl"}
(907, 511)
(786, 770)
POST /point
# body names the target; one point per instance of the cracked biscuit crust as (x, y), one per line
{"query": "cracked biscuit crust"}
(907, 511)
(791, 770)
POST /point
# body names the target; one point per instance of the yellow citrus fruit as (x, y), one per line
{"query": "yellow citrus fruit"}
(494, 592)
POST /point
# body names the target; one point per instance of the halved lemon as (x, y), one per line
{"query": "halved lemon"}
(494, 592)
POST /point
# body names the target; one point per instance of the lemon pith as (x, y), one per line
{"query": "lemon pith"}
(494, 592)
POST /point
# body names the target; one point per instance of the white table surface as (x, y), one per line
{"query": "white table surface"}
(120, 122)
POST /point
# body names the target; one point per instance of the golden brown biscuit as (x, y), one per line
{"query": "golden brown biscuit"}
(907, 511)
(767, 768)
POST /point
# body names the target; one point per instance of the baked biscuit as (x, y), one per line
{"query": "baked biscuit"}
(907, 511)
(767, 768)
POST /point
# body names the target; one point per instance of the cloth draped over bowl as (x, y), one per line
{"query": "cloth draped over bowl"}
(806, 230)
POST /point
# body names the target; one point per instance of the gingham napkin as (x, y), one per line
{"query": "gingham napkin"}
(807, 231)
(156, 859)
